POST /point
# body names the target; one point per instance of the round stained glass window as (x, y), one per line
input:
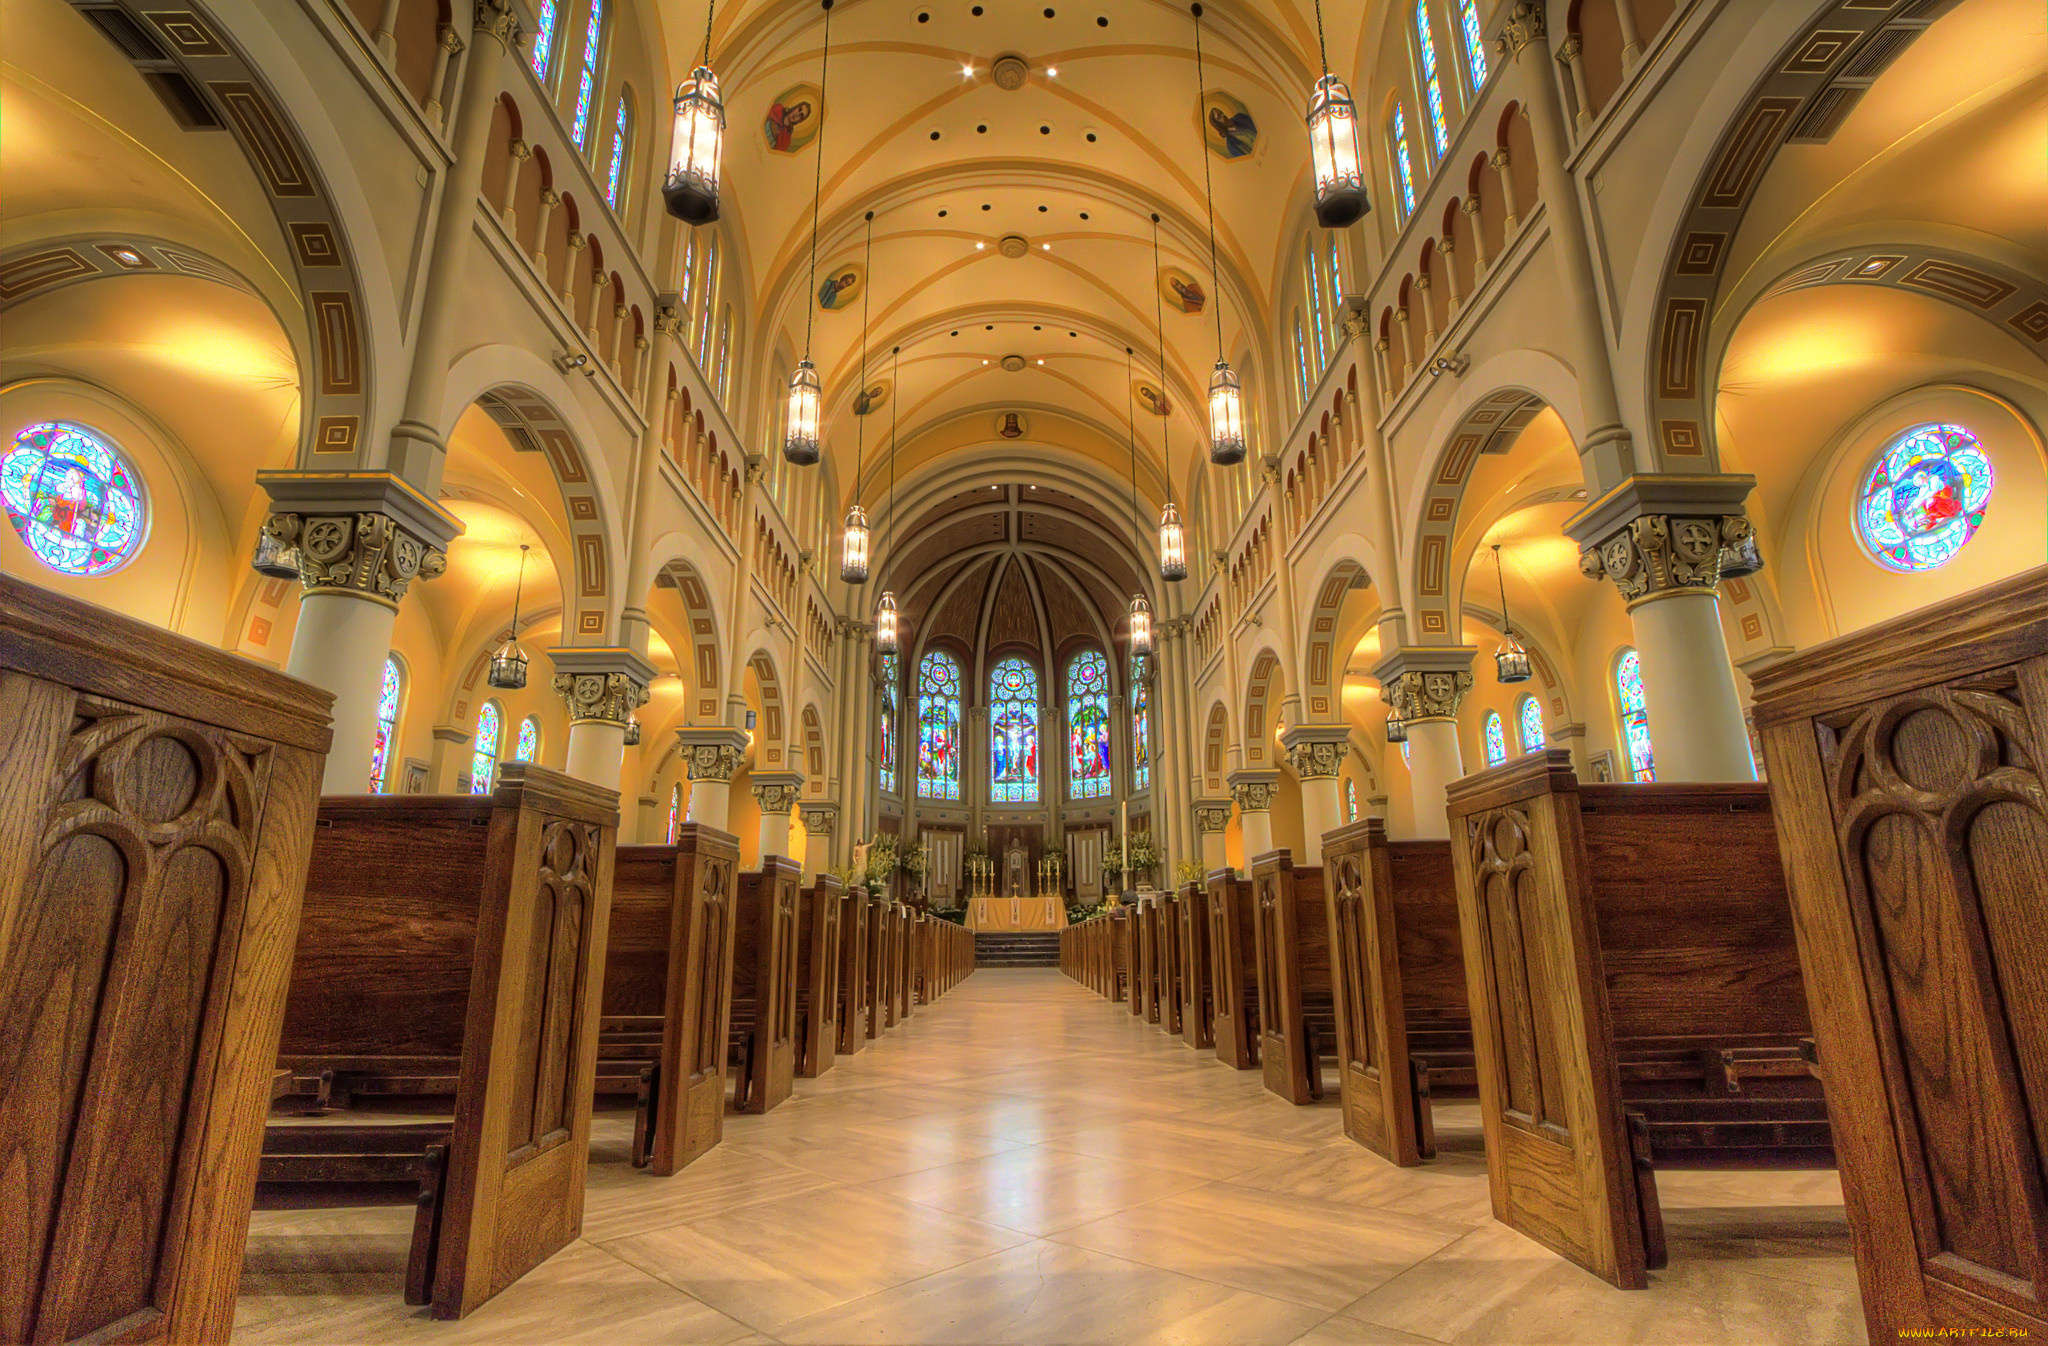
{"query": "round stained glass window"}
(73, 498)
(1924, 498)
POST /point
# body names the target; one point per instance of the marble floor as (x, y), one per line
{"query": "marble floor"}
(1022, 1163)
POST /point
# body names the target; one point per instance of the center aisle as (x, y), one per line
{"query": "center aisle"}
(1025, 1163)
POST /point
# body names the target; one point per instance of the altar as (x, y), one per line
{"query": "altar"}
(1004, 898)
(1017, 913)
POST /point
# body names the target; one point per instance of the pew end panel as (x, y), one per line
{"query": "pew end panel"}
(1905, 764)
(764, 984)
(819, 968)
(161, 797)
(1233, 945)
(1382, 1108)
(1197, 1028)
(1292, 958)
(854, 995)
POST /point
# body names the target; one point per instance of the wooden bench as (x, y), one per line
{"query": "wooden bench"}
(821, 909)
(463, 933)
(1233, 973)
(1291, 934)
(160, 798)
(1197, 1025)
(1906, 766)
(1166, 933)
(878, 1019)
(1397, 983)
(947, 958)
(1636, 999)
(667, 993)
(1145, 932)
(856, 991)
(764, 986)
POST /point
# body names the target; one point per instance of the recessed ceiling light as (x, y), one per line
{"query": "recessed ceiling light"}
(979, 246)
(966, 72)
(1045, 247)
(942, 214)
(1052, 72)
(1041, 362)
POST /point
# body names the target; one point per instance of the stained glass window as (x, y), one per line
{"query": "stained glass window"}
(1529, 724)
(1350, 801)
(675, 811)
(1013, 733)
(1635, 715)
(586, 88)
(687, 280)
(1315, 307)
(529, 740)
(483, 762)
(1432, 86)
(1496, 738)
(709, 294)
(1300, 360)
(1407, 753)
(543, 39)
(1403, 165)
(888, 745)
(1475, 41)
(73, 499)
(621, 128)
(1336, 286)
(1141, 732)
(724, 348)
(1923, 498)
(388, 700)
(938, 727)
(1088, 726)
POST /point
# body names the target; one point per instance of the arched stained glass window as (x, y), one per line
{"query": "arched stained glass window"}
(938, 727)
(586, 85)
(622, 139)
(889, 747)
(1407, 753)
(1350, 800)
(73, 499)
(1404, 166)
(724, 349)
(1088, 726)
(1336, 287)
(1923, 498)
(708, 292)
(1635, 715)
(1529, 724)
(675, 811)
(1141, 726)
(1433, 88)
(1013, 733)
(1475, 41)
(1496, 738)
(1300, 361)
(389, 698)
(543, 39)
(529, 740)
(686, 282)
(483, 761)
(1315, 307)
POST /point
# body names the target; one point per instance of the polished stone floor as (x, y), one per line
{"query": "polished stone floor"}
(1024, 1163)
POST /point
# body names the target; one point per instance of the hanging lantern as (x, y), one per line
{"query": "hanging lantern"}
(853, 555)
(1141, 625)
(800, 441)
(1738, 558)
(632, 731)
(1333, 145)
(691, 191)
(885, 623)
(1511, 661)
(1173, 545)
(508, 662)
(276, 558)
(1226, 417)
(1397, 729)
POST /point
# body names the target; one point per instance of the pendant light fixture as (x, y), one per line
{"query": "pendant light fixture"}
(1226, 397)
(853, 550)
(1173, 540)
(508, 663)
(1333, 146)
(885, 611)
(1510, 661)
(800, 439)
(691, 192)
(1141, 610)
(632, 731)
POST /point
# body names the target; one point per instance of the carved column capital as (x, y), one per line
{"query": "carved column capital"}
(820, 820)
(1657, 535)
(1212, 815)
(1500, 159)
(601, 685)
(1569, 50)
(1316, 751)
(1470, 205)
(1425, 682)
(1254, 790)
(668, 321)
(499, 19)
(1524, 26)
(777, 792)
(519, 150)
(370, 534)
(550, 198)
(712, 754)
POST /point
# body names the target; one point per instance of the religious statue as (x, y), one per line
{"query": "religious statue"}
(1013, 868)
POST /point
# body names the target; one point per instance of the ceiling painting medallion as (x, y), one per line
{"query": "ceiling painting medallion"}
(1228, 127)
(1152, 400)
(1182, 290)
(794, 118)
(841, 286)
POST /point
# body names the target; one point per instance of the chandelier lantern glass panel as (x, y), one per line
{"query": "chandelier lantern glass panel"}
(1226, 417)
(885, 623)
(853, 553)
(691, 191)
(1173, 545)
(1141, 625)
(800, 440)
(1333, 148)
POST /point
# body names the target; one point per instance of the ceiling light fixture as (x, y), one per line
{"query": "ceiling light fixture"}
(885, 610)
(1333, 146)
(508, 662)
(1226, 396)
(853, 552)
(800, 444)
(1510, 661)
(1173, 542)
(691, 192)
(1141, 610)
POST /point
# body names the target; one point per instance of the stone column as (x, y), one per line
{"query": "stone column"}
(651, 832)
(1631, 39)
(450, 760)
(1511, 220)
(821, 821)
(742, 595)
(776, 792)
(1661, 539)
(1212, 817)
(1568, 53)
(1470, 206)
(358, 539)
(519, 152)
(1572, 738)
(603, 687)
(1316, 752)
(1253, 791)
(1425, 685)
(446, 49)
(711, 758)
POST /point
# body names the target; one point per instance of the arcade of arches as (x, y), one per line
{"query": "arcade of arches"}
(1681, 337)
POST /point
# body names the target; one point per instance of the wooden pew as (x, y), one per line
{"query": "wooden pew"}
(160, 798)
(878, 966)
(668, 993)
(855, 990)
(1291, 934)
(1145, 930)
(906, 954)
(1233, 975)
(1397, 983)
(1167, 935)
(1197, 1027)
(764, 986)
(1636, 999)
(1906, 765)
(463, 934)
(821, 908)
